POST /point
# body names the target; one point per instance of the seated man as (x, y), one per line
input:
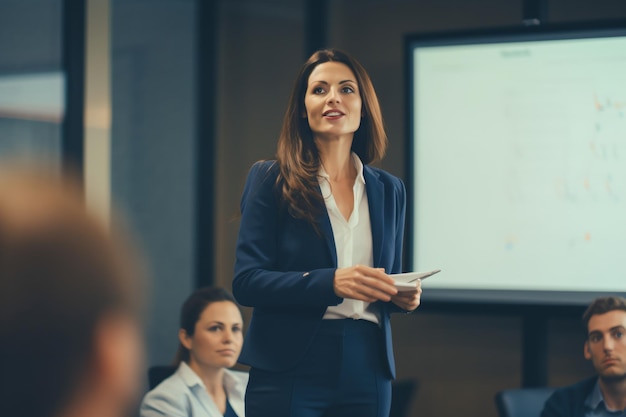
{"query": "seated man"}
(604, 395)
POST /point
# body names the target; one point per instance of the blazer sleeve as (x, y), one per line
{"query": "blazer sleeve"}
(400, 196)
(401, 216)
(258, 282)
(161, 402)
(569, 401)
(556, 405)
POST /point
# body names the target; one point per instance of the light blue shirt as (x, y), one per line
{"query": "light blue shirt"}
(184, 395)
(596, 407)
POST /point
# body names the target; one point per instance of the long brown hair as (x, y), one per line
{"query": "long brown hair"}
(297, 154)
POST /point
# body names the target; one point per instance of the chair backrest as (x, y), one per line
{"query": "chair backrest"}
(522, 402)
(402, 394)
(156, 374)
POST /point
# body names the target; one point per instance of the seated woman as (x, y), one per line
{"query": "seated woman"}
(211, 335)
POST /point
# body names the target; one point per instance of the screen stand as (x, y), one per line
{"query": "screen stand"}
(534, 350)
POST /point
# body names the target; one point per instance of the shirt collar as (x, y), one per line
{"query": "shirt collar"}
(191, 379)
(358, 164)
(187, 374)
(232, 383)
(595, 399)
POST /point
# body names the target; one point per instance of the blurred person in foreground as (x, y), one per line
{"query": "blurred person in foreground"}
(605, 347)
(69, 309)
(210, 335)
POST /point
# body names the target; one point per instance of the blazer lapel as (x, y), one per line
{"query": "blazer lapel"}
(375, 200)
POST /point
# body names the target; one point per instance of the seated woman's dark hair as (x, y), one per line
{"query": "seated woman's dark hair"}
(192, 310)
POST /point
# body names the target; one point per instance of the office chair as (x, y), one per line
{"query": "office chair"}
(522, 402)
(156, 374)
(402, 393)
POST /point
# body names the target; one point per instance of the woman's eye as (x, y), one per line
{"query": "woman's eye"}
(236, 329)
(318, 90)
(214, 328)
(348, 90)
(618, 334)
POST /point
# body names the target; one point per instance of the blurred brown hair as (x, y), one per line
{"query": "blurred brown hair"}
(61, 271)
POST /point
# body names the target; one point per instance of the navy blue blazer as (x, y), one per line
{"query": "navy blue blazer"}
(569, 401)
(285, 268)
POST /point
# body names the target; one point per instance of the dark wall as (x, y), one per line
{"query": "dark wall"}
(152, 150)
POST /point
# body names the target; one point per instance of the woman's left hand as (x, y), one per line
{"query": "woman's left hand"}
(408, 300)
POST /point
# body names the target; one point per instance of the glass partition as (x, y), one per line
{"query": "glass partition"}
(32, 82)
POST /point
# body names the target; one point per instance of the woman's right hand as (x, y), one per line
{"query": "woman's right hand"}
(364, 283)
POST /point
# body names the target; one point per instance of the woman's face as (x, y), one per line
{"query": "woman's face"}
(217, 338)
(333, 101)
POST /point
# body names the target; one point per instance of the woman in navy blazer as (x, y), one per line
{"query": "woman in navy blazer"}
(309, 261)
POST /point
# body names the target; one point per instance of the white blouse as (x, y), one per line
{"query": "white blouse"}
(353, 241)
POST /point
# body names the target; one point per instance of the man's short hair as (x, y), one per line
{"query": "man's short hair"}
(603, 305)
